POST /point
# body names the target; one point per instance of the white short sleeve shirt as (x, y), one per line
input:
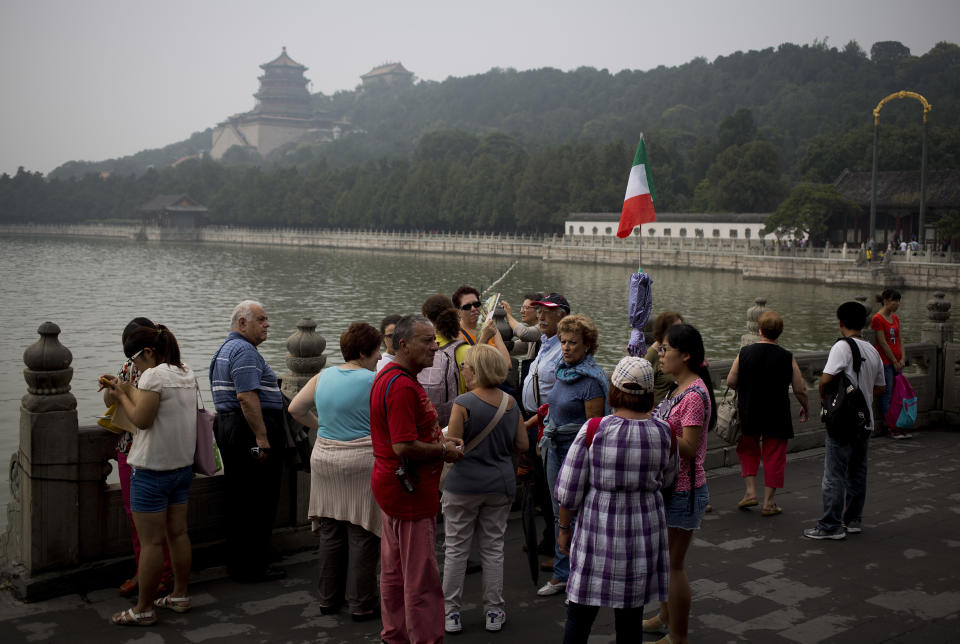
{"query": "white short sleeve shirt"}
(871, 368)
(169, 443)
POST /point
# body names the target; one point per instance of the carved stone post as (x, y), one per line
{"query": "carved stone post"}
(48, 485)
(939, 331)
(305, 357)
(753, 315)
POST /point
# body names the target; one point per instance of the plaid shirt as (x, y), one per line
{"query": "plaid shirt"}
(618, 557)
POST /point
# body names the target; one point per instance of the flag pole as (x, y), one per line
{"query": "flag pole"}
(640, 250)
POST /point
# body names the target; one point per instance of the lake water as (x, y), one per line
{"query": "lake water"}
(92, 288)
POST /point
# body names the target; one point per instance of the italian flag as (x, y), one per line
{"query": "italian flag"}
(638, 201)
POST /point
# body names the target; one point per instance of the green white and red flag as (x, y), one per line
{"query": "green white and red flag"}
(638, 201)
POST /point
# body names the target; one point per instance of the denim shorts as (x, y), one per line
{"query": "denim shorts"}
(155, 490)
(678, 509)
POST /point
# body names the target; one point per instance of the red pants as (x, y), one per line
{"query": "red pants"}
(411, 595)
(774, 454)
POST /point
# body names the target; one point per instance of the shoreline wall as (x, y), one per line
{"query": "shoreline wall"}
(753, 259)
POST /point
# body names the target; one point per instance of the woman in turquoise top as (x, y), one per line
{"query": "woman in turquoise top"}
(336, 402)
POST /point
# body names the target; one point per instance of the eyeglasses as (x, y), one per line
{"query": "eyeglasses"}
(470, 305)
(137, 354)
(464, 365)
(662, 349)
(388, 335)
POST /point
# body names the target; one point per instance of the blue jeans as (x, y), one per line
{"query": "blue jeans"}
(844, 483)
(889, 375)
(554, 459)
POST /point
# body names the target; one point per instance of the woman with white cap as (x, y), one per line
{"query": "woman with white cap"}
(611, 477)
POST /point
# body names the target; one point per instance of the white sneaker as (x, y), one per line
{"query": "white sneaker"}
(495, 620)
(552, 589)
(451, 623)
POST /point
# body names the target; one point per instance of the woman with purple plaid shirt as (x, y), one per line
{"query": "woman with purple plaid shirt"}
(612, 477)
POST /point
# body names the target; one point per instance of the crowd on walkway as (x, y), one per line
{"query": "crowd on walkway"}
(420, 425)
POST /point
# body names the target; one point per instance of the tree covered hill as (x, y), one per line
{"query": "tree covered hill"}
(794, 93)
(516, 150)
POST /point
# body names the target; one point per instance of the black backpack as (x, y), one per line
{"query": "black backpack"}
(844, 409)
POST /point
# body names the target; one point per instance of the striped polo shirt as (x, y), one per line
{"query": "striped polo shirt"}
(238, 367)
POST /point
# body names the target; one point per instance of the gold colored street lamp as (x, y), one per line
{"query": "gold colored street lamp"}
(923, 162)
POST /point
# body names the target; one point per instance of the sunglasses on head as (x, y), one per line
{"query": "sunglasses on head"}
(471, 305)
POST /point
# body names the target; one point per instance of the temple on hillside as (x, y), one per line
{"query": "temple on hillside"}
(387, 75)
(284, 113)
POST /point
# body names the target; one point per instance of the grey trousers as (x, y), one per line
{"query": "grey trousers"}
(348, 560)
(464, 515)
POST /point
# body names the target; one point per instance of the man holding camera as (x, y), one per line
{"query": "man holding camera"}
(409, 451)
(250, 436)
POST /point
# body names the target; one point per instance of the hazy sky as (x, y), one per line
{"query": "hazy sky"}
(95, 79)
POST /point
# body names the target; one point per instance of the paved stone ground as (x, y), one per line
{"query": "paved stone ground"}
(754, 579)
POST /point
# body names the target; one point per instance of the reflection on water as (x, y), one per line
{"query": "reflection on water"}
(92, 288)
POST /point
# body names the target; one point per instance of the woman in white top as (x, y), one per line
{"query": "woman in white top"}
(164, 409)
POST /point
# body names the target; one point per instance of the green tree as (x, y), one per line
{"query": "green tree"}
(744, 178)
(808, 210)
(948, 226)
(736, 129)
(888, 52)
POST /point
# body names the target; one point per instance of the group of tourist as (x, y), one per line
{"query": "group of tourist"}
(430, 422)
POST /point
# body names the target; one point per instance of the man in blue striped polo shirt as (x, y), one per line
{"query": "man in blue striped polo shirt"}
(250, 435)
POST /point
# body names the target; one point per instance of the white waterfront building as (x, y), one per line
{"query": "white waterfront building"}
(673, 224)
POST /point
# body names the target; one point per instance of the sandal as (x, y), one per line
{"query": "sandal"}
(176, 604)
(748, 502)
(130, 618)
(769, 512)
(655, 625)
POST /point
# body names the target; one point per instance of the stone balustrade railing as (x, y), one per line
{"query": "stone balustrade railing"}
(318, 236)
(67, 530)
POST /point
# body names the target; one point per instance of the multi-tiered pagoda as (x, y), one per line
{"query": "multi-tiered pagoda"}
(283, 89)
(283, 113)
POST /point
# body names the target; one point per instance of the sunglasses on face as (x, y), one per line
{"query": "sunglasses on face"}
(471, 305)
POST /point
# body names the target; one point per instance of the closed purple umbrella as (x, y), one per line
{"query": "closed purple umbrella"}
(638, 311)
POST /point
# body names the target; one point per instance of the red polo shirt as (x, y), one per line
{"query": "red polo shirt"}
(409, 416)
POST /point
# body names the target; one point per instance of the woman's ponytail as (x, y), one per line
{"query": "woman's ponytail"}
(704, 372)
(167, 348)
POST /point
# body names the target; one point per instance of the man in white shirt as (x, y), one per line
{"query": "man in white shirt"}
(845, 466)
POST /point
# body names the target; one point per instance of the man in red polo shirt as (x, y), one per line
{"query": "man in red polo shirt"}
(409, 452)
